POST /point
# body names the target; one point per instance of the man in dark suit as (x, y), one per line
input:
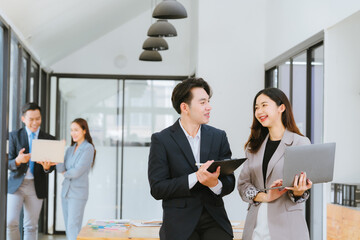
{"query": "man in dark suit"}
(192, 202)
(27, 183)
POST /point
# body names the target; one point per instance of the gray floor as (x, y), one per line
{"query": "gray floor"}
(52, 237)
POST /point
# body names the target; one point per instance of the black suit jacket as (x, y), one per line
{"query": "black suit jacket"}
(17, 140)
(170, 162)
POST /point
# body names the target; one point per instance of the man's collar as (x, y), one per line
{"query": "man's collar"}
(198, 134)
(28, 131)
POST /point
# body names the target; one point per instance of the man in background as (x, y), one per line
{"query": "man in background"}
(27, 183)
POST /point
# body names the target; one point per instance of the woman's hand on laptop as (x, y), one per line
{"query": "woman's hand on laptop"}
(274, 192)
(301, 184)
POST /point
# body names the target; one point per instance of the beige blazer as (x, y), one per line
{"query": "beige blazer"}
(286, 219)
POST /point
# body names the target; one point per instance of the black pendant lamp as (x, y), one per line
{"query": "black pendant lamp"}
(155, 43)
(162, 28)
(150, 56)
(169, 9)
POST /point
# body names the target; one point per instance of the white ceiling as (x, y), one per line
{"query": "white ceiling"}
(54, 29)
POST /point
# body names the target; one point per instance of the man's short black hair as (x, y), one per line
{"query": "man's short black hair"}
(30, 106)
(182, 91)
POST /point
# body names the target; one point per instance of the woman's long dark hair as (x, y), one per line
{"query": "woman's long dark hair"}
(258, 132)
(83, 124)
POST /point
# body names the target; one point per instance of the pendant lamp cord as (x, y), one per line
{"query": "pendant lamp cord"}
(151, 11)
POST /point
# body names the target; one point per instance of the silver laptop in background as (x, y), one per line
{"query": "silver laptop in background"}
(317, 160)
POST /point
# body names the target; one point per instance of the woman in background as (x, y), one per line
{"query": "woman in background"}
(79, 158)
(272, 214)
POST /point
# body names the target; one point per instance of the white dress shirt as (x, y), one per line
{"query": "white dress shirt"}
(195, 147)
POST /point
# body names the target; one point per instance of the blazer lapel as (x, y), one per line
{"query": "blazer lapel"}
(205, 144)
(179, 137)
(41, 135)
(259, 157)
(79, 150)
(286, 141)
(24, 140)
(75, 156)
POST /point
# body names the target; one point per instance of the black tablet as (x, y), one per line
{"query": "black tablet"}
(227, 166)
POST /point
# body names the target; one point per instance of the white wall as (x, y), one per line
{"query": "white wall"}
(289, 22)
(231, 59)
(114, 53)
(236, 39)
(342, 96)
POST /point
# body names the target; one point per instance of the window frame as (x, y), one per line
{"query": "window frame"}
(4, 123)
(307, 46)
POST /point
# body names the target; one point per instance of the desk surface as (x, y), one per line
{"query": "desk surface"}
(342, 222)
(133, 232)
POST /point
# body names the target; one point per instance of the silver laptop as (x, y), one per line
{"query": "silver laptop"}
(317, 160)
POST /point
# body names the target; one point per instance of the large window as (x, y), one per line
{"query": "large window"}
(17, 66)
(300, 77)
(24, 80)
(14, 114)
(34, 82)
(122, 114)
(4, 46)
(299, 74)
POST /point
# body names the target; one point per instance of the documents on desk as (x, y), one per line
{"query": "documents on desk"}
(149, 223)
(118, 221)
(124, 229)
(237, 226)
(113, 224)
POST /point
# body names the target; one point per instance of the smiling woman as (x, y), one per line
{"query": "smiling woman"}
(267, 112)
(273, 130)
(78, 160)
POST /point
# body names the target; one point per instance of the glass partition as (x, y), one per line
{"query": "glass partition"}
(4, 45)
(1, 53)
(14, 111)
(14, 92)
(24, 95)
(147, 109)
(317, 133)
(284, 78)
(34, 82)
(301, 77)
(299, 91)
(97, 102)
(317, 110)
(122, 115)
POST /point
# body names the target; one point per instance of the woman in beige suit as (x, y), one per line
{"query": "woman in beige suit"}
(273, 214)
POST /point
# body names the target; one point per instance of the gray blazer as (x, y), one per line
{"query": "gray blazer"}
(77, 167)
(286, 219)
